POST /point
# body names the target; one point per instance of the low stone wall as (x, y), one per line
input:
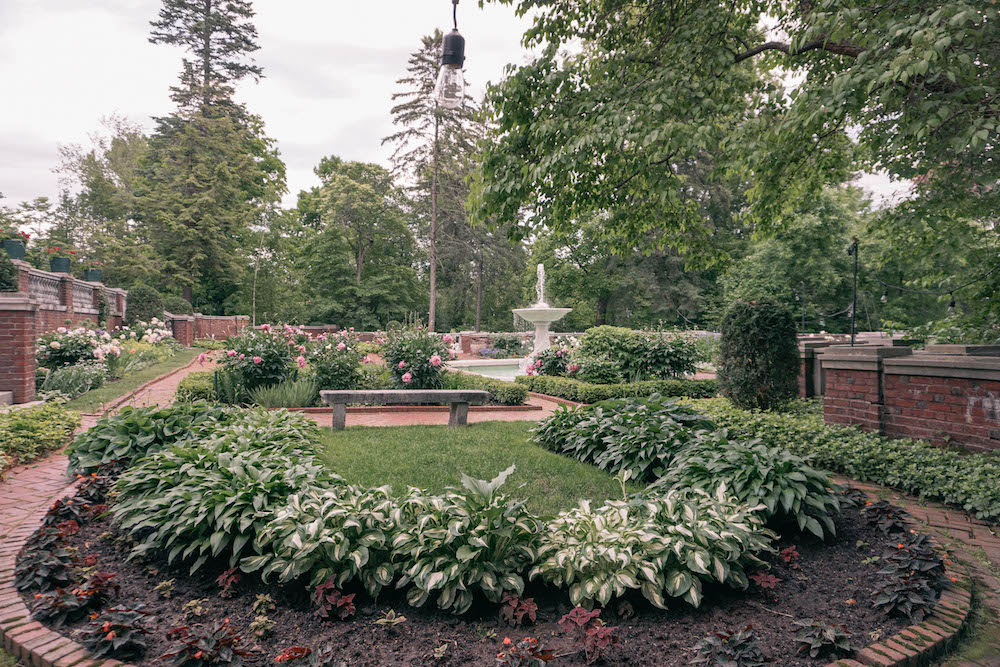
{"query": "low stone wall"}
(945, 394)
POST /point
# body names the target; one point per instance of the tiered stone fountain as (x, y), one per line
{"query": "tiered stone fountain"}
(541, 314)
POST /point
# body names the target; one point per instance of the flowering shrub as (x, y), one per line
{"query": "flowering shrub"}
(336, 362)
(65, 347)
(12, 234)
(552, 361)
(153, 332)
(260, 358)
(415, 358)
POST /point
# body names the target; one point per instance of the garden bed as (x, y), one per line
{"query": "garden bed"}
(832, 582)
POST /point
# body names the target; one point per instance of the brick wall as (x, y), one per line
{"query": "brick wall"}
(219, 328)
(182, 327)
(943, 398)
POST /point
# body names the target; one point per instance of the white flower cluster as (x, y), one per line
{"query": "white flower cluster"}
(153, 332)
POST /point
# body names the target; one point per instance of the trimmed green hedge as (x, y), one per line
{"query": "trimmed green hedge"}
(918, 468)
(27, 434)
(586, 392)
(197, 386)
(501, 391)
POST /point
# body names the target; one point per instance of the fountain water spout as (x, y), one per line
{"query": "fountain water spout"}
(541, 315)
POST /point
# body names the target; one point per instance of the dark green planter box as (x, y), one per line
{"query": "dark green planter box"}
(59, 264)
(93, 275)
(14, 248)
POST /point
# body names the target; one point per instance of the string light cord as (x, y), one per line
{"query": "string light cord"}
(933, 292)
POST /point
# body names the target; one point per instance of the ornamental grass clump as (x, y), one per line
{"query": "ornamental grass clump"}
(662, 544)
(636, 437)
(415, 357)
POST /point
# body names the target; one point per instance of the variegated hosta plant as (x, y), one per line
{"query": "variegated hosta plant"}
(342, 533)
(663, 544)
(211, 498)
(478, 540)
(788, 488)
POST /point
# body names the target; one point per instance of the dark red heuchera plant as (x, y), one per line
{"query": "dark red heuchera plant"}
(765, 580)
(201, 645)
(525, 653)
(589, 631)
(515, 609)
(227, 581)
(329, 601)
(790, 556)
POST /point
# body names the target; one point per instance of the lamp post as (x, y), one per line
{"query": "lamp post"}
(853, 251)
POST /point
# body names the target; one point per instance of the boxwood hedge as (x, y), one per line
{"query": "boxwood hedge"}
(587, 392)
(501, 391)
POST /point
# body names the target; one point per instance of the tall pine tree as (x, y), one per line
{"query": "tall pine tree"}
(210, 174)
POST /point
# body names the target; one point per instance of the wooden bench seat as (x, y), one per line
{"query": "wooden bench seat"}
(458, 401)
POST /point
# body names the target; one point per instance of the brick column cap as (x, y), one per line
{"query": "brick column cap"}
(859, 358)
(184, 318)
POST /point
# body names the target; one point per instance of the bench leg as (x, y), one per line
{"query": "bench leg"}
(339, 416)
(458, 414)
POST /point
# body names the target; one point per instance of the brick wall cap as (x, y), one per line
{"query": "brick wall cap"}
(965, 350)
(953, 365)
(18, 301)
(863, 352)
(182, 318)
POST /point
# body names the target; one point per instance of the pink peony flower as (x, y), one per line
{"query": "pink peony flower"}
(435, 360)
(231, 353)
(302, 349)
(350, 329)
(301, 361)
(402, 365)
(257, 360)
(451, 354)
(265, 327)
(407, 378)
(367, 359)
(202, 358)
(448, 340)
(243, 356)
(559, 353)
(341, 347)
(572, 368)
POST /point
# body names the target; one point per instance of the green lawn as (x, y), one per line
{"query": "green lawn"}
(94, 399)
(432, 458)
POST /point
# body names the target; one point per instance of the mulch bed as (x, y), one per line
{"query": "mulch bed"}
(830, 584)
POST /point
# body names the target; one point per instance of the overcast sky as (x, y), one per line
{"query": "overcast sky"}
(330, 68)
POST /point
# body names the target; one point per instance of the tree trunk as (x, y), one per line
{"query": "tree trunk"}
(206, 55)
(188, 293)
(602, 310)
(479, 290)
(434, 226)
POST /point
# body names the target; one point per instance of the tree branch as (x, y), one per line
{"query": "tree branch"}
(840, 48)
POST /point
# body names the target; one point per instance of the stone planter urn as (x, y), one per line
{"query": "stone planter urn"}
(14, 248)
(59, 264)
(93, 275)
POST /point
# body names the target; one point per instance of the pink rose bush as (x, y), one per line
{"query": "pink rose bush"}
(336, 362)
(417, 355)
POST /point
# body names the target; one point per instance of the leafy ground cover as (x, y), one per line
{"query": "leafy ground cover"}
(95, 398)
(27, 434)
(433, 458)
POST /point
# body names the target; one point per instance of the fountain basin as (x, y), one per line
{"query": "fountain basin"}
(541, 314)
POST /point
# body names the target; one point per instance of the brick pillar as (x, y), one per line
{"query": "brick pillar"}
(23, 276)
(17, 345)
(855, 387)
(810, 371)
(66, 294)
(183, 328)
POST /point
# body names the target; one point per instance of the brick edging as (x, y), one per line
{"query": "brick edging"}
(554, 399)
(921, 643)
(23, 637)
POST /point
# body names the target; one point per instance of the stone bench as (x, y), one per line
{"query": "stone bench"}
(458, 401)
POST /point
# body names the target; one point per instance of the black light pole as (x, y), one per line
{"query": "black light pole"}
(853, 250)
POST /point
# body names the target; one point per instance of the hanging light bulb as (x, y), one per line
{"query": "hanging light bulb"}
(450, 89)
(951, 305)
(822, 322)
(885, 296)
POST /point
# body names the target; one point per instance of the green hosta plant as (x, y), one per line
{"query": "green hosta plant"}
(135, 432)
(463, 542)
(211, 499)
(340, 533)
(638, 437)
(663, 544)
(788, 488)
